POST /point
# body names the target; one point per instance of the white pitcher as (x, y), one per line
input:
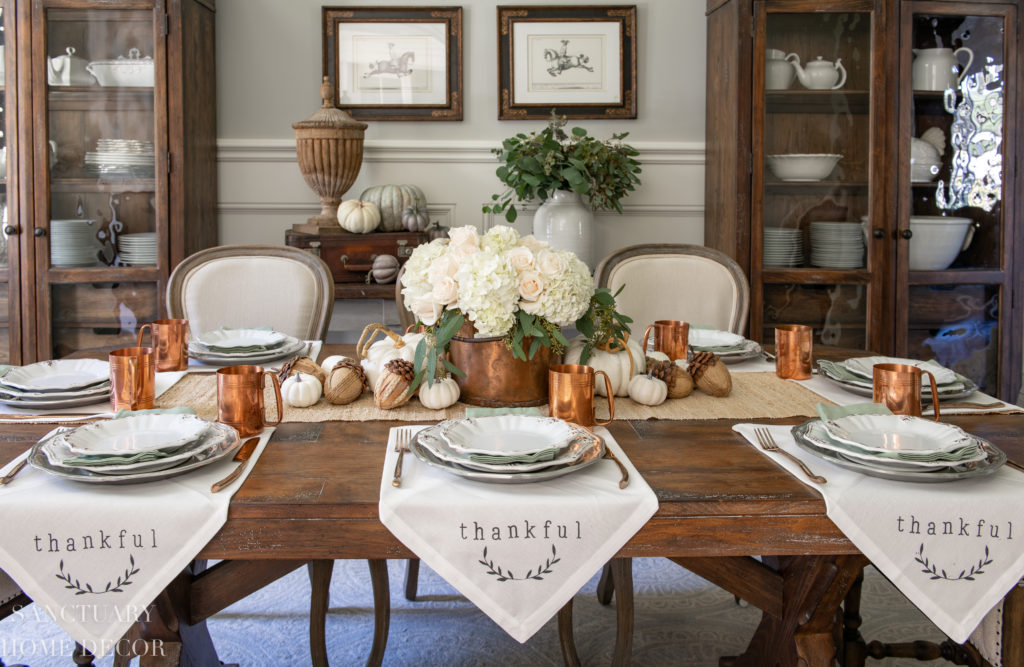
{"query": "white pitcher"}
(937, 69)
(778, 69)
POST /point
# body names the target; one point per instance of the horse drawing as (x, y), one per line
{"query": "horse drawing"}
(561, 61)
(398, 65)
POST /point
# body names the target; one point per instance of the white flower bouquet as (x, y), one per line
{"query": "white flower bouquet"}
(505, 285)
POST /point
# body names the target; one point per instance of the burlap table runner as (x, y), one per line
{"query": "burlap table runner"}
(753, 395)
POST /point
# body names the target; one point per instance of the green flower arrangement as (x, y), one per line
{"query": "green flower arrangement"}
(539, 163)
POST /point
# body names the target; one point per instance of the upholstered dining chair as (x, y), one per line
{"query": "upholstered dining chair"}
(286, 288)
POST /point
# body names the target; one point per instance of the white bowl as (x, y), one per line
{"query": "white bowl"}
(802, 167)
(937, 240)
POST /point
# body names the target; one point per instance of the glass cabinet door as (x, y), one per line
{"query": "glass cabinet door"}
(811, 176)
(104, 265)
(952, 247)
(10, 339)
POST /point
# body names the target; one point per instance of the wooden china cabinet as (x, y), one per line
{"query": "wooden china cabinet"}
(897, 294)
(109, 131)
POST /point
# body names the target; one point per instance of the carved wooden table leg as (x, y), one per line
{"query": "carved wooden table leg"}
(320, 572)
(854, 646)
(622, 575)
(606, 585)
(381, 609)
(565, 636)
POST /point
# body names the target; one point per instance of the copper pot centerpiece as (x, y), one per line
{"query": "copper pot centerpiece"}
(494, 377)
(329, 145)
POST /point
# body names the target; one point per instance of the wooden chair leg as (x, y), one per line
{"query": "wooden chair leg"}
(854, 649)
(381, 610)
(566, 640)
(320, 572)
(412, 577)
(622, 572)
(606, 585)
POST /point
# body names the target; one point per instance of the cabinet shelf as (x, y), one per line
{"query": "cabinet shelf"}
(100, 98)
(65, 185)
(817, 101)
(814, 275)
(803, 187)
(104, 274)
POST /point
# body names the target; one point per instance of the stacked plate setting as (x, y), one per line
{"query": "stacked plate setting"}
(138, 448)
(899, 447)
(73, 243)
(138, 249)
(837, 245)
(243, 346)
(507, 449)
(729, 347)
(857, 376)
(783, 246)
(121, 157)
(60, 383)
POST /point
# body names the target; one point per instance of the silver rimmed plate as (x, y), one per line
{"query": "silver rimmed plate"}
(291, 347)
(57, 375)
(731, 348)
(994, 459)
(59, 456)
(506, 435)
(819, 435)
(134, 434)
(897, 434)
(855, 384)
(102, 388)
(227, 445)
(577, 447)
(224, 340)
(56, 404)
(592, 456)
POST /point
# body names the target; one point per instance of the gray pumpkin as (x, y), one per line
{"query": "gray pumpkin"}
(385, 269)
(415, 218)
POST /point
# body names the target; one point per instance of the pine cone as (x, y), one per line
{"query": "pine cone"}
(663, 370)
(700, 363)
(401, 367)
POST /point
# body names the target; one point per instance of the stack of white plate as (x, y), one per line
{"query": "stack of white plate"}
(59, 383)
(133, 449)
(121, 157)
(729, 347)
(783, 246)
(899, 446)
(856, 375)
(507, 449)
(73, 243)
(837, 245)
(243, 346)
(138, 249)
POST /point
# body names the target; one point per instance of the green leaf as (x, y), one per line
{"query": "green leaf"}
(529, 163)
(416, 381)
(534, 346)
(452, 368)
(511, 214)
(585, 354)
(557, 335)
(585, 326)
(579, 132)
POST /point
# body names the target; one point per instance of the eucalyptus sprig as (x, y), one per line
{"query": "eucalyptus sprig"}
(544, 333)
(602, 325)
(539, 163)
(430, 357)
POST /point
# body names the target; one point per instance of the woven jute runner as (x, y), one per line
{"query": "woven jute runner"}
(753, 395)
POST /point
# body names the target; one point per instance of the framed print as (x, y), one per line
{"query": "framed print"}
(579, 61)
(395, 63)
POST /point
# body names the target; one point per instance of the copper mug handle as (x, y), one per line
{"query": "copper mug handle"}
(277, 395)
(611, 400)
(647, 333)
(935, 392)
(138, 342)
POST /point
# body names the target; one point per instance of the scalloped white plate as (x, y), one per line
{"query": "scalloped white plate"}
(506, 435)
(139, 433)
(225, 339)
(897, 434)
(57, 375)
(864, 367)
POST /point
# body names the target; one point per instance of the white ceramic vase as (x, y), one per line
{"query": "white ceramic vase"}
(565, 222)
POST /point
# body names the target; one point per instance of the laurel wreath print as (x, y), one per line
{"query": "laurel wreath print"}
(504, 574)
(937, 572)
(110, 587)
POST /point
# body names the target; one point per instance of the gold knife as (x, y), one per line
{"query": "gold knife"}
(244, 452)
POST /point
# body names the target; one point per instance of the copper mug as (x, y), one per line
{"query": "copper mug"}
(793, 345)
(132, 378)
(240, 398)
(898, 387)
(170, 340)
(670, 336)
(571, 394)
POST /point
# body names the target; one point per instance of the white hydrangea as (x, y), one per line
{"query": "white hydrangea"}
(566, 295)
(500, 239)
(488, 293)
(416, 279)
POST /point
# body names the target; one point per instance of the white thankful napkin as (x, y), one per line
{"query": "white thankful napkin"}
(954, 549)
(94, 556)
(519, 552)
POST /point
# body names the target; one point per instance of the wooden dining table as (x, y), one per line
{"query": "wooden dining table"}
(312, 497)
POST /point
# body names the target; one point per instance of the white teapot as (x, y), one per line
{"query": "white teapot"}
(936, 69)
(821, 74)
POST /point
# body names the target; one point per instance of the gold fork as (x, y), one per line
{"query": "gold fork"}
(401, 446)
(767, 442)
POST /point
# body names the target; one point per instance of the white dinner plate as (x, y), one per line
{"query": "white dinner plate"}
(713, 338)
(864, 366)
(57, 453)
(225, 339)
(138, 433)
(506, 435)
(100, 389)
(577, 447)
(839, 374)
(897, 434)
(57, 375)
(818, 434)
(258, 357)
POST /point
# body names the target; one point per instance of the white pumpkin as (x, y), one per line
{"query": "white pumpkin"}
(372, 357)
(329, 363)
(301, 390)
(615, 364)
(358, 217)
(441, 394)
(648, 390)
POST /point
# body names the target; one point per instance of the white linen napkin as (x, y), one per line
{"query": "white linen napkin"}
(94, 556)
(954, 549)
(101, 408)
(196, 366)
(519, 552)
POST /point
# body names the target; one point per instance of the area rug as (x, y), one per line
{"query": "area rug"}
(681, 621)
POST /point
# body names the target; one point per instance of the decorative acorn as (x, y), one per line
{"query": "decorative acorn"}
(302, 365)
(346, 382)
(675, 377)
(392, 388)
(710, 374)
